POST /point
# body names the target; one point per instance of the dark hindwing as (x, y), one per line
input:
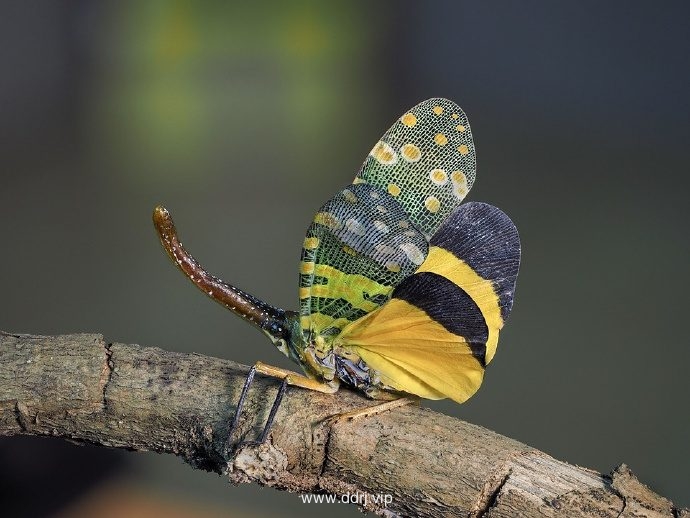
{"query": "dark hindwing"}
(485, 238)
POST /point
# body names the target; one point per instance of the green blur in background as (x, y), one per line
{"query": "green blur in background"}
(243, 119)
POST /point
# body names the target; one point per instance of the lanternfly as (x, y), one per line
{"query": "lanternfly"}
(403, 290)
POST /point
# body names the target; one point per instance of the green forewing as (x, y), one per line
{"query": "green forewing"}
(426, 160)
(359, 247)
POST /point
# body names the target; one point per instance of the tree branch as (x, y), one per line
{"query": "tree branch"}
(142, 398)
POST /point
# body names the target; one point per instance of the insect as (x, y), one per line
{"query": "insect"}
(402, 290)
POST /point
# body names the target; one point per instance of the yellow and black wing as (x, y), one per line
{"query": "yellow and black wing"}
(440, 328)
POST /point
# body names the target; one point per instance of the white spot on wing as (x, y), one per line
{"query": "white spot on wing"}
(381, 226)
(413, 253)
(355, 227)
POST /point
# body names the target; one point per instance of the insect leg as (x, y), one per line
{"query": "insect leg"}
(297, 380)
(240, 402)
(288, 378)
(271, 416)
(375, 409)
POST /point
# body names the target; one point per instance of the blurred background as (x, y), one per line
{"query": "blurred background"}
(244, 118)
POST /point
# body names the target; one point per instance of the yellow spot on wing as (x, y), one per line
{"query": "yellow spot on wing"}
(327, 219)
(463, 149)
(458, 177)
(438, 176)
(459, 184)
(460, 191)
(305, 322)
(441, 139)
(460, 127)
(432, 204)
(409, 120)
(384, 154)
(410, 152)
(306, 267)
(438, 110)
(311, 243)
(393, 189)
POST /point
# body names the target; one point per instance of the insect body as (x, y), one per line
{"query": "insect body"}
(402, 289)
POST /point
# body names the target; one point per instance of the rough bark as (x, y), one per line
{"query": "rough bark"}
(142, 398)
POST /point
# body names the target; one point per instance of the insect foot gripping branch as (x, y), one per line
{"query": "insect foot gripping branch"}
(403, 290)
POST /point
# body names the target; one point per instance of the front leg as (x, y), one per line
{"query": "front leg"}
(298, 380)
(288, 378)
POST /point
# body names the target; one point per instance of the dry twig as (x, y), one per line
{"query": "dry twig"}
(141, 398)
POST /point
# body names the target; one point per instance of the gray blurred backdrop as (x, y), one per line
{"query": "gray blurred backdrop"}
(244, 119)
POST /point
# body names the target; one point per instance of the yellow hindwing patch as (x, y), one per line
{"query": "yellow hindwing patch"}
(413, 353)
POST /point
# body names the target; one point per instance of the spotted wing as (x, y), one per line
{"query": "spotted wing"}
(440, 328)
(426, 161)
(360, 245)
